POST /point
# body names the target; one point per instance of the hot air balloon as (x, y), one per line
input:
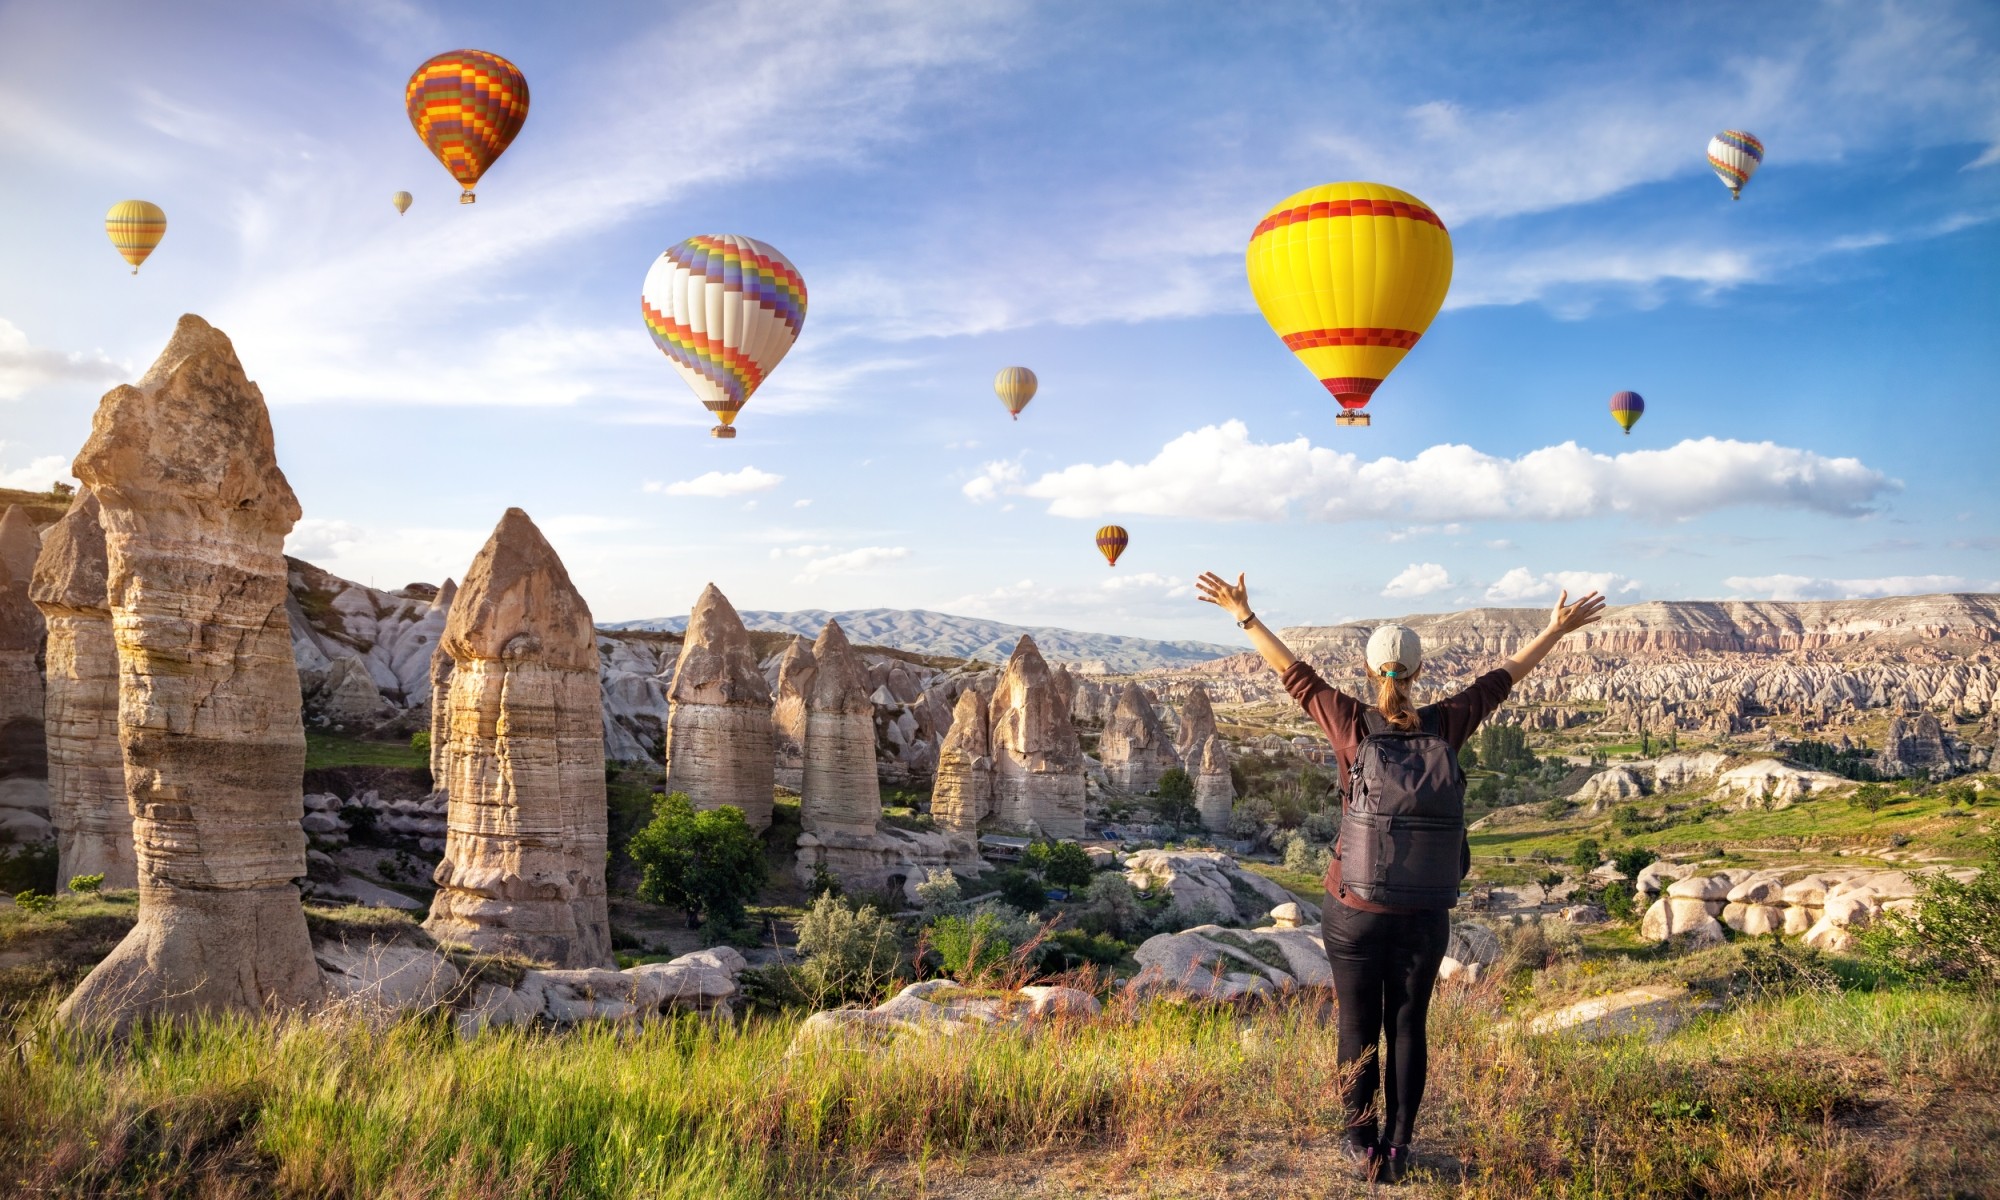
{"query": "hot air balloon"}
(1015, 387)
(724, 309)
(467, 105)
(1111, 542)
(1350, 275)
(1735, 155)
(135, 227)
(402, 202)
(1626, 409)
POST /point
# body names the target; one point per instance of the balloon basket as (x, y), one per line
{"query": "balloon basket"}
(723, 431)
(467, 198)
(1351, 418)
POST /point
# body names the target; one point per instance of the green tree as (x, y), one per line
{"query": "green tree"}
(1504, 748)
(1871, 796)
(1067, 865)
(708, 864)
(1632, 860)
(1175, 784)
(1626, 817)
(420, 741)
(1586, 855)
(1023, 890)
(1468, 758)
(1618, 900)
(1111, 906)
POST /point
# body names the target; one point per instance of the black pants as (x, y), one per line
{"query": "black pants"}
(1384, 967)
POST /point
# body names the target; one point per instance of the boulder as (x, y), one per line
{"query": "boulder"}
(382, 979)
(1211, 881)
(1685, 919)
(1609, 787)
(1701, 887)
(719, 743)
(1765, 887)
(1213, 963)
(1287, 915)
(939, 1008)
(1655, 876)
(1650, 1012)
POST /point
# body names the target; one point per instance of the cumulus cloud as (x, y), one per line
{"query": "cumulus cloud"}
(1418, 579)
(1217, 472)
(720, 484)
(993, 479)
(41, 471)
(853, 562)
(800, 551)
(24, 367)
(1522, 584)
(1806, 587)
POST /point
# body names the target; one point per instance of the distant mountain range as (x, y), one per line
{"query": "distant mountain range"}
(922, 632)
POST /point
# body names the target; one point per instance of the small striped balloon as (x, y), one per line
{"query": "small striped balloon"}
(135, 227)
(1626, 409)
(1111, 542)
(402, 202)
(1735, 155)
(1015, 386)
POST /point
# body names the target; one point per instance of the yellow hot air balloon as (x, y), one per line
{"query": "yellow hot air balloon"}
(135, 227)
(402, 202)
(1111, 542)
(1015, 386)
(1350, 275)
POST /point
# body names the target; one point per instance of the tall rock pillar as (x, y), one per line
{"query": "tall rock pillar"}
(93, 823)
(840, 793)
(963, 793)
(1214, 790)
(788, 712)
(441, 668)
(24, 789)
(1037, 763)
(1135, 748)
(195, 513)
(1197, 726)
(523, 868)
(719, 746)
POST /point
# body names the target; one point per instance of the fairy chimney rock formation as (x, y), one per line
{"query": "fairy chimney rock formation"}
(963, 793)
(195, 512)
(441, 667)
(1214, 790)
(1037, 763)
(1197, 725)
(840, 792)
(523, 869)
(24, 796)
(788, 712)
(719, 747)
(1135, 747)
(93, 825)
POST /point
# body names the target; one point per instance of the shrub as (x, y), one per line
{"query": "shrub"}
(1111, 906)
(1586, 856)
(1632, 860)
(1322, 827)
(1871, 796)
(1626, 817)
(1023, 890)
(709, 864)
(970, 947)
(938, 888)
(85, 885)
(420, 741)
(1468, 758)
(1249, 817)
(1548, 881)
(849, 953)
(28, 868)
(33, 901)
(1556, 809)
(1072, 948)
(824, 882)
(1618, 901)
(1953, 936)
(1175, 784)
(1302, 856)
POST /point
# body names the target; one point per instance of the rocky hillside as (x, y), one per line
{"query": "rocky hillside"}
(921, 632)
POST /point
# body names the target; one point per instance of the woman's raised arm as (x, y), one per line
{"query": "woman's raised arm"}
(1564, 619)
(1234, 599)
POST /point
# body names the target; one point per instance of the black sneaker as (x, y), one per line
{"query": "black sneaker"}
(1362, 1154)
(1396, 1163)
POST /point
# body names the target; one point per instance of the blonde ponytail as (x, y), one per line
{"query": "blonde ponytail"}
(1392, 700)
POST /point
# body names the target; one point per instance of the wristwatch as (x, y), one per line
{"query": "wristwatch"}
(1245, 622)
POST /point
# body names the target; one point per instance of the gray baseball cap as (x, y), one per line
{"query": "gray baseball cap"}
(1395, 645)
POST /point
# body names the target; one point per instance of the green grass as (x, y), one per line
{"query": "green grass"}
(333, 750)
(1302, 884)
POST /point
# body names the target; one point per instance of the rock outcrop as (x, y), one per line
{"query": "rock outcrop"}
(523, 869)
(1214, 962)
(364, 655)
(1197, 723)
(939, 1008)
(1609, 787)
(839, 793)
(93, 823)
(1214, 789)
(788, 712)
(1768, 783)
(1135, 747)
(719, 744)
(962, 796)
(195, 513)
(1037, 763)
(24, 794)
(1209, 884)
(1917, 745)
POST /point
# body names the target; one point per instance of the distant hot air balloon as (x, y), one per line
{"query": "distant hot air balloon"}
(724, 309)
(402, 202)
(1350, 275)
(1111, 542)
(1735, 155)
(1015, 387)
(467, 105)
(135, 227)
(1627, 408)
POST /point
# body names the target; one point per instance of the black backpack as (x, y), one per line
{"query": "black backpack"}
(1402, 837)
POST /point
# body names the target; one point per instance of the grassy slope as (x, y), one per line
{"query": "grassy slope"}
(333, 750)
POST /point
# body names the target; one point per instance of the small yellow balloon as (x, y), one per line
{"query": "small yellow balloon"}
(402, 202)
(135, 227)
(1015, 386)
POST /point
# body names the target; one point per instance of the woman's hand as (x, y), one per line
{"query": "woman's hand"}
(1232, 598)
(1566, 618)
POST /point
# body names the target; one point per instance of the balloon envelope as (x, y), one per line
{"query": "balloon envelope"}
(1015, 386)
(1735, 155)
(1627, 408)
(402, 202)
(724, 309)
(467, 105)
(1111, 542)
(135, 228)
(1350, 275)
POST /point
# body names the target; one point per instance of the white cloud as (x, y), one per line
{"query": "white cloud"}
(852, 562)
(1418, 579)
(1522, 584)
(1451, 528)
(384, 557)
(799, 551)
(1147, 582)
(993, 479)
(1499, 544)
(1805, 587)
(802, 504)
(717, 483)
(24, 367)
(40, 472)
(1217, 472)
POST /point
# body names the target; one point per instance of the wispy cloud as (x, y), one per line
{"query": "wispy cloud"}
(1806, 587)
(24, 367)
(741, 482)
(853, 562)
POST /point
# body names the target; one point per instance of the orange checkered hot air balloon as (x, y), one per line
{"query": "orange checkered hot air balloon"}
(467, 105)
(1350, 275)
(1111, 542)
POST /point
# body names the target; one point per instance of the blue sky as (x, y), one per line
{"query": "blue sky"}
(1068, 187)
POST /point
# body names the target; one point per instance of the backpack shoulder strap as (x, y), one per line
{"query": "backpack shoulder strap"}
(1373, 722)
(1430, 719)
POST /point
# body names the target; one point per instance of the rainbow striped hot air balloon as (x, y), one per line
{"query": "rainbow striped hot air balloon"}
(1626, 409)
(467, 105)
(1735, 155)
(135, 228)
(1350, 275)
(1015, 386)
(1111, 542)
(724, 309)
